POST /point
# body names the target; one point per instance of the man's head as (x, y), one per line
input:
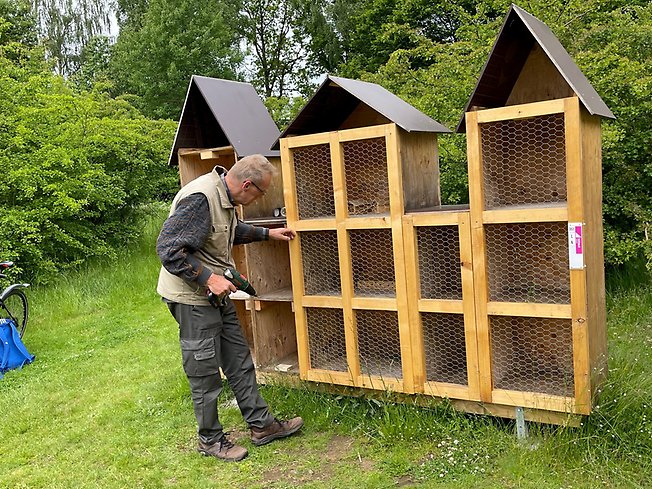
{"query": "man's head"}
(250, 178)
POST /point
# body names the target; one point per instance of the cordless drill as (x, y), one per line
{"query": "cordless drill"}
(237, 279)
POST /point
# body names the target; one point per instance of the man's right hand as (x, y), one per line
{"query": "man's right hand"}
(219, 285)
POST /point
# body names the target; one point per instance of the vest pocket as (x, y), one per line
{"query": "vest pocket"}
(199, 357)
(220, 240)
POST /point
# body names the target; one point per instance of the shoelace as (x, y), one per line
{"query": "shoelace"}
(226, 443)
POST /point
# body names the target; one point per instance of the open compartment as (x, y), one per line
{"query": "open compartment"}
(275, 338)
(532, 355)
(528, 262)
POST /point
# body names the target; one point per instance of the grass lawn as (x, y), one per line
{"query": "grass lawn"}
(106, 404)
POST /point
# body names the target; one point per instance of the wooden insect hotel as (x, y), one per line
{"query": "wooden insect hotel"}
(221, 122)
(350, 180)
(497, 306)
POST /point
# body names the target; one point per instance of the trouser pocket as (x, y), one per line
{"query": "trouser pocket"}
(199, 357)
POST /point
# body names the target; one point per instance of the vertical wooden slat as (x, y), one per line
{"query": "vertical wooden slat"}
(575, 186)
(396, 205)
(468, 303)
(476, 197)
(413, 283)
(594, 259)
(296, 265)
(344, 250)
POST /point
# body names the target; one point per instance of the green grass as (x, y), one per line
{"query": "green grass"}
(106, 404)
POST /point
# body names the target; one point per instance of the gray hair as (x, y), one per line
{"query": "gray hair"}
(254, 168)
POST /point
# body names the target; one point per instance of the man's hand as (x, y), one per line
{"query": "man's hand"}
(219, 285)
(282, 234)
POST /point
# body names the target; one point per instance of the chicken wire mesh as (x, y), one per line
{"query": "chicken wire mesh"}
(321, 264)
(367, 183)
(372, 263)
(379, 344)
(524, 161)
(532, 355)
(438, 251)
(326, 339)
(314, 181)
(444, 347)
(528, 262)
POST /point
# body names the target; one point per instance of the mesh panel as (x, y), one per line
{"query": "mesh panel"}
(445, 347)
(365, 166)
(326, 339)
(373, 262)
(379, 345)
(524, 161)
(528, 262)
(321, 265)
(532, 355)
(314, 181)
(438, 249)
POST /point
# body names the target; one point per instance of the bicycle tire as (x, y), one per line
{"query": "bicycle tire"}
(15, 307)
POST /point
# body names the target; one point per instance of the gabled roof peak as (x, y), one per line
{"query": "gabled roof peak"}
(520, 34)
(220, 112)
(337, 98)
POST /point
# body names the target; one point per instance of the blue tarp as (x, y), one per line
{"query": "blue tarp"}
(13, 353)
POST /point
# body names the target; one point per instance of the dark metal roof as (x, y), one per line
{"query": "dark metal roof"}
(224, 113)
(508, 56)
(337, 98)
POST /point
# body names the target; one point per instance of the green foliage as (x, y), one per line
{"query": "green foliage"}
(160, 48)
(284, 109)
(76, 168)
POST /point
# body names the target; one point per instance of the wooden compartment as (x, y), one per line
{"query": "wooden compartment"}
(379, 345)
(372, 261)
(528, 262)
(275, 339)
(326, 339)
(321, 263)
(444, 343)
(532, 355)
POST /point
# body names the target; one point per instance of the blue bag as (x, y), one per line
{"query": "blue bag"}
(13, 353)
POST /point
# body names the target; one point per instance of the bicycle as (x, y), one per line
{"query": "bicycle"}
(13, 301)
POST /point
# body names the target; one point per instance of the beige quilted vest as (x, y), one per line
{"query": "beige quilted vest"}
(216, 251)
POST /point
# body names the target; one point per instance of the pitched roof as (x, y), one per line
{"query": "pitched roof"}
(338, 97)
(518, 35)
(224, 113)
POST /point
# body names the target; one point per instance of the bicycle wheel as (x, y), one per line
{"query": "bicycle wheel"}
(14, 307)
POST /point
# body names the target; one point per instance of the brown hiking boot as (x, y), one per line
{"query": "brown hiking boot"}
(278, 429)
(223, 449)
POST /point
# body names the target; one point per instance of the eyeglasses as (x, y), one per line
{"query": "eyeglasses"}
(262, 192)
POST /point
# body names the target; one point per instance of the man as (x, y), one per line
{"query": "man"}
(195, 248)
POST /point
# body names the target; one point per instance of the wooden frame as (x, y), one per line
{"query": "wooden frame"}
(419, 148)
(582, 205)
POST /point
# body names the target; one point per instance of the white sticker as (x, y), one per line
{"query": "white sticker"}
(575, 246)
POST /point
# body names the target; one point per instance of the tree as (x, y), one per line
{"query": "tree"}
(276, 45)
(162, 46)
(66, 26)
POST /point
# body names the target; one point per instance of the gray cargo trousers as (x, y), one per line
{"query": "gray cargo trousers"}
(211, 338)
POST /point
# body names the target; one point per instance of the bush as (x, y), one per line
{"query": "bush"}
(76, 169)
